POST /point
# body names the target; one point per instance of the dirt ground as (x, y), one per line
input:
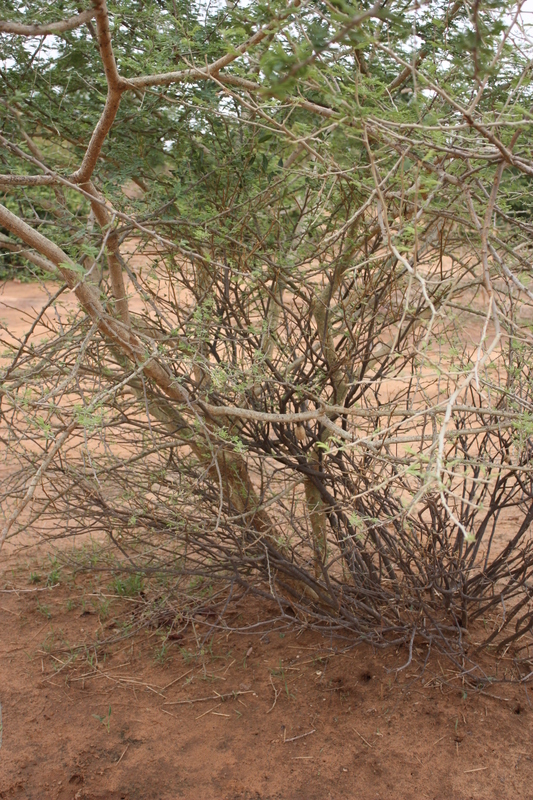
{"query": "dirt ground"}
(267, 714)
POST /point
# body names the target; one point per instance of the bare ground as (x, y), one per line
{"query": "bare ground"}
(112, 723)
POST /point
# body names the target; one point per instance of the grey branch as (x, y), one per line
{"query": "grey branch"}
(44, 30)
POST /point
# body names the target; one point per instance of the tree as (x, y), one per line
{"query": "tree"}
(299, 238)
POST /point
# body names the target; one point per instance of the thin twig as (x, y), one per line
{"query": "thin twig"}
(301, 736)
(362, 737)
(204, 699)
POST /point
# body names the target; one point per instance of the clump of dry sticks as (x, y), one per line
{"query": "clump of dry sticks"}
(312, 382)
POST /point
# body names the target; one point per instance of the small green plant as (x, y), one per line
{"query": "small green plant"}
(162, 655)
(44, 610)
(128, 585)
(35, 577)
(106, 721)
(102, 608)
(280, 673)
(186, 655)
(54, 576)
(49, 643)
(124, 626)
(207, 650)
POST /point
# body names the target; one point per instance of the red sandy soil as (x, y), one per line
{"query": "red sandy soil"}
(113, 726)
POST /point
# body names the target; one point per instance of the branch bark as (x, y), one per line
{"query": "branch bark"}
(62, 26)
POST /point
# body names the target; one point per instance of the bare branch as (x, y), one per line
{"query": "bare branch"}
(30, 255)
(27, 180)
(113, 253)
(51, 28)
(58, 444)
(115, 88)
